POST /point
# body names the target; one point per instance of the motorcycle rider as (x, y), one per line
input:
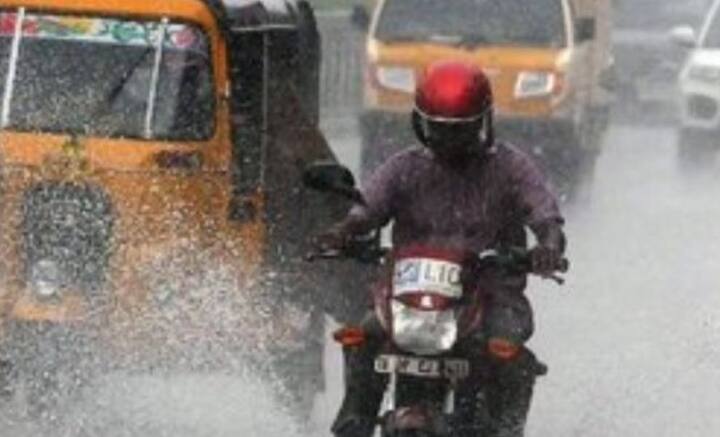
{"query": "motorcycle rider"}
(465, 189)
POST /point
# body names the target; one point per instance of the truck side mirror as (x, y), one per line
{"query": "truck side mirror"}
(360, 18)
(684, 36)
(585, 29)
(327, 176)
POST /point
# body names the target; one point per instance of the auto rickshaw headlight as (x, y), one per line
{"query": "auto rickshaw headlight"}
(396, 78)
(533, 84)
(46, 278)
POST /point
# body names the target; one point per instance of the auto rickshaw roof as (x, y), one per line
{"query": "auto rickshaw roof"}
(234, 15)
(191, 10)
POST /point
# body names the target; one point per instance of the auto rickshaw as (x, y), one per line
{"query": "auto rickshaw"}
(150, 210)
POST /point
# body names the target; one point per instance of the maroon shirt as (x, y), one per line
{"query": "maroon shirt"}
(472, 208)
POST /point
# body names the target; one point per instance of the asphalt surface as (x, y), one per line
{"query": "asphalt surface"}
(631, 339)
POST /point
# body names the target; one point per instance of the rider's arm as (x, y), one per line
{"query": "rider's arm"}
(380, 195)
(538, 204)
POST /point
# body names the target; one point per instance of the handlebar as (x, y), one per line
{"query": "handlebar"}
(513, 260)
(365, 249)
(518, 260)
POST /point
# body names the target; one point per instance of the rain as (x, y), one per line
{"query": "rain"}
(154, 228)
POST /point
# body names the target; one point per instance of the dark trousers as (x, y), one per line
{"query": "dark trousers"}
(497, 396)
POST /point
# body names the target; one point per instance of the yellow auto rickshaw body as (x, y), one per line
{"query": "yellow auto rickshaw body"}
(150, 211)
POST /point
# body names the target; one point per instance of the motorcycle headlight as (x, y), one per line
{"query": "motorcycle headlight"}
(535, 84)
(396, 78)
(46, 278)
(704, 73)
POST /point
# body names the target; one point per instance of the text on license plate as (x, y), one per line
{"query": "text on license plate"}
(423, 367)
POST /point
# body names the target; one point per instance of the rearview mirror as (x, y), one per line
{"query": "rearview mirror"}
(584, 29)
(360, 18)
(334, 178)
(684, 36)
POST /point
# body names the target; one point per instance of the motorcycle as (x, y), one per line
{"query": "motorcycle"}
(428, 305)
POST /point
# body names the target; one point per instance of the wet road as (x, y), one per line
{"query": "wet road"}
(631, 339)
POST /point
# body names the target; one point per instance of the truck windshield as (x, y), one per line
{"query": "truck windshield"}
(476, 22)
(105, 77)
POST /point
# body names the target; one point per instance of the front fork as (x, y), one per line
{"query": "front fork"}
(396, 420)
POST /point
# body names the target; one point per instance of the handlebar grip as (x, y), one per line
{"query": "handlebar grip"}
(361, 255)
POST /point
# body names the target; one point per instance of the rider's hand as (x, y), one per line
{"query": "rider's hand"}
(545, 260)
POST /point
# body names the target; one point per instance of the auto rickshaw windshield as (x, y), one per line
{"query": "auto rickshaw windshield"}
(106, 77)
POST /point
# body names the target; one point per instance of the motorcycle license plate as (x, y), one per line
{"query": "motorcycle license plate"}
(449, 368)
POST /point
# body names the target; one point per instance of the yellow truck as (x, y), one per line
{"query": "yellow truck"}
(549, 62)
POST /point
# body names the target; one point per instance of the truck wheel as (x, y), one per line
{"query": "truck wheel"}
(696, 151)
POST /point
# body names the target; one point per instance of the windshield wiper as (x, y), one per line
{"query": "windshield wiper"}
(118, 87)
(104, 104)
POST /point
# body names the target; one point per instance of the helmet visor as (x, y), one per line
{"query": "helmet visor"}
(453, 136)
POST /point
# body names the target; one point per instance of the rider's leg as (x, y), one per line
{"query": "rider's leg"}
(512, 367)
(364, 388)
(509, 393)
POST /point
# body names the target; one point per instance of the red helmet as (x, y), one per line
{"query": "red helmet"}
(453, 108)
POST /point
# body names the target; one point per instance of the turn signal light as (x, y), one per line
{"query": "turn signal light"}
(503, 349)
(350, 336)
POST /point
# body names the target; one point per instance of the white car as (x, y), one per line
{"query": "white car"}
(700, 89)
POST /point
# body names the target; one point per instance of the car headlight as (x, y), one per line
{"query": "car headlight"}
(46, 278)
(535, 84)
(704, 73)
(396, 78)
